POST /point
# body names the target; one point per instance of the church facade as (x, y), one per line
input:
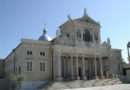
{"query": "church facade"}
(75, 54)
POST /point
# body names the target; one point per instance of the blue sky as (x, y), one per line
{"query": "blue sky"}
(26, 18)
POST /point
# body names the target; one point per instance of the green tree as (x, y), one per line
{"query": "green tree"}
(13, 79)
(20, 79)
(16, 80)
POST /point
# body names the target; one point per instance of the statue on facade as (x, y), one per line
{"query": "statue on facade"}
(44, 31)
(58, 32)
(128, 46)
(69, 17)
(108, 41)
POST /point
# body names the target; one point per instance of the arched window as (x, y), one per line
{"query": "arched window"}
(87, 37)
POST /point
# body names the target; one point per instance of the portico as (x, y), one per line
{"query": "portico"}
(81, 66)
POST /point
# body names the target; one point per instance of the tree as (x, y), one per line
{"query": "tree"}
(13, 79)
(16, 80)
(20, 79)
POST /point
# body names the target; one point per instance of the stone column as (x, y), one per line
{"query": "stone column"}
(64, 71)
(95, 63)
(83, 68)
(67, 66)
(89, 67)
(57, 66)
(54, 66)
(77, 68)
(101, 68)
(72, 74)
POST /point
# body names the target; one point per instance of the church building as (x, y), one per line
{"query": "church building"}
(75, 54)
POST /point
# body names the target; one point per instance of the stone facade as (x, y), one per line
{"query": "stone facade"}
(16, 62)
(76, 53)
(79, 53)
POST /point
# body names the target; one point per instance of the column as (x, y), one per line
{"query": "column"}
(83, 68)
(95, 63)
(54, 66)
(67, 66)
(101, 68)
(77, 67)
(89, 66)
(112, 71)
(64, 69)
(72, 74)
(57, 66)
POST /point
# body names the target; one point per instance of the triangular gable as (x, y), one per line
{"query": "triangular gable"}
(87, 19)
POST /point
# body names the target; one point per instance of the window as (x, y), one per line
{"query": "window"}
(42, 53)
(42, 66)
(87, 37)
(68, 35)
(29, 53)
(29, 66)
(19, 70)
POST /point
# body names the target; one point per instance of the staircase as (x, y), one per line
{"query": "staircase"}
(58, 85)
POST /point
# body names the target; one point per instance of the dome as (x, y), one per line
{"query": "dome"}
(45, 37)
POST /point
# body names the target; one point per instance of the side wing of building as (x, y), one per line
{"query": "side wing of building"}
(31, 59)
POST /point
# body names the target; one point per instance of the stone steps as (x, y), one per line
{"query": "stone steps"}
(55, 85)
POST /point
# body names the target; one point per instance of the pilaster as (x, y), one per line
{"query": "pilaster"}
(57, 66)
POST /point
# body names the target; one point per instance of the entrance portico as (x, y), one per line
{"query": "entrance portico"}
(79, 66)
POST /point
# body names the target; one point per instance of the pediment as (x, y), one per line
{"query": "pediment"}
(88, 20)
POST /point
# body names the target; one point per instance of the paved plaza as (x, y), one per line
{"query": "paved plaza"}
(112, 87)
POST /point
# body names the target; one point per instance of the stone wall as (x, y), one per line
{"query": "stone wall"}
(4, 84)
